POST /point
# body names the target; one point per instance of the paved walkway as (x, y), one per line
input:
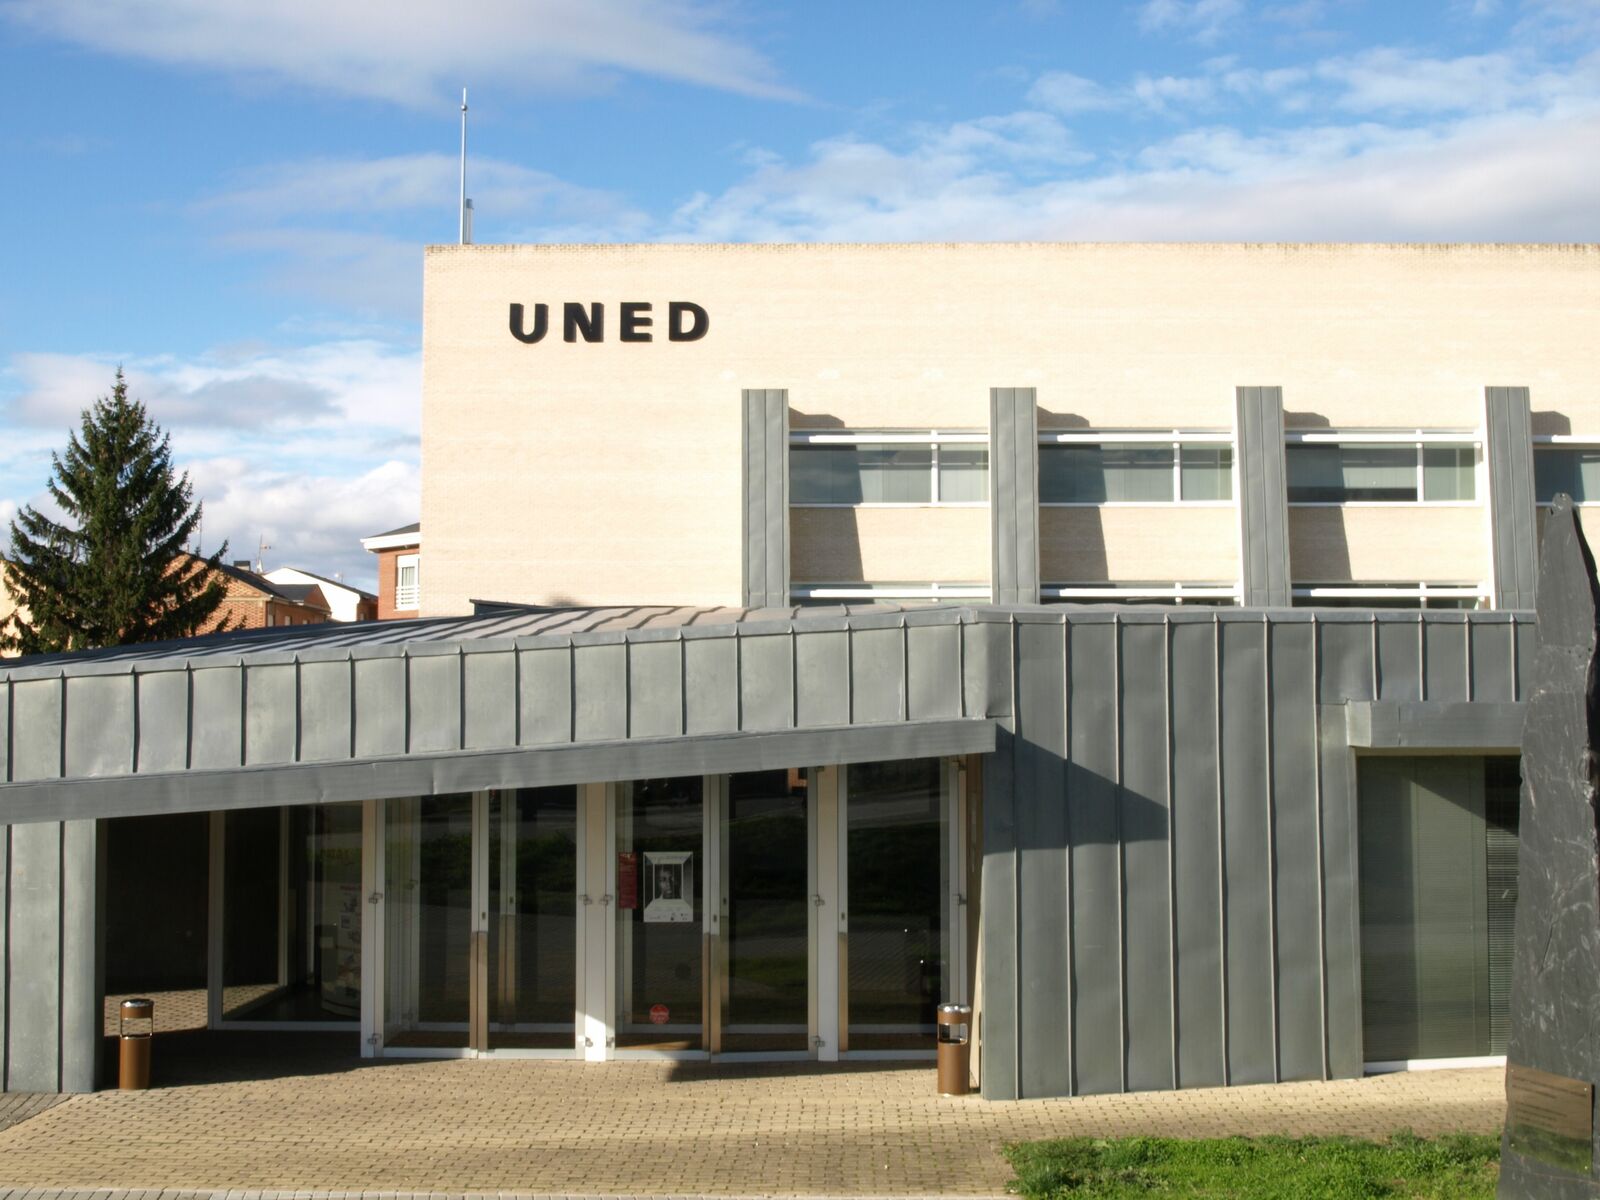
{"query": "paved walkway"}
(310, 1118)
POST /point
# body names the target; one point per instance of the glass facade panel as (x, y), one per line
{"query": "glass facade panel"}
(963, 474)
(1438, 889)
(1082, 474)
(428, 914)
(533, 885)
(292, 914)
(897, 854)
(861, 474)
(1207, 472)
(1334, 474)
(660, 922)
(1449, 473)
(766, 912)
(1575, 471)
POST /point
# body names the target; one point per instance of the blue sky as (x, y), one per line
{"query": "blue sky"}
(230, 197)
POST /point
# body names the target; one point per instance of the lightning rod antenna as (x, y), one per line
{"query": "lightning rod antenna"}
(466, 205)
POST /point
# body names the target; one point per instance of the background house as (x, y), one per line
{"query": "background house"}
(399, 571)
(345, 603)
(255, 602)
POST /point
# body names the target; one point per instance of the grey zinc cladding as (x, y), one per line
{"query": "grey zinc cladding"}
(766, 497)
(1263, 497)
(1513, 545)
(1168, 853)
(1014, 495)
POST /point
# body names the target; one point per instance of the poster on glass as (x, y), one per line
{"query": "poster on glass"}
(669, 886)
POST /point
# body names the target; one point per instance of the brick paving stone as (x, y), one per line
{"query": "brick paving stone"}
(296, 1117)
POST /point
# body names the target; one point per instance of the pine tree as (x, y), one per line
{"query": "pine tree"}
(119, 572)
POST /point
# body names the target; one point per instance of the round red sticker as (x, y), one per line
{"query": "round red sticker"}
(659, 1014)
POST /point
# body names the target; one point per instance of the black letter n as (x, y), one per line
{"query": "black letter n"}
(575, 321)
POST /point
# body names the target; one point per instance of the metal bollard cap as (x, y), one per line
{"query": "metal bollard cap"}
(959, 1012)
(139, 1006)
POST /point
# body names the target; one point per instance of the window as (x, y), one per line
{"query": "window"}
(1390, 595)
(1338, 472)
(1073, 470)
(899, 468)
(1574, 470)
(816, 594)
(405, 581)
(1208, 594)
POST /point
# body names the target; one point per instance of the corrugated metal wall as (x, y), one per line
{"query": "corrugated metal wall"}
(1170, 886)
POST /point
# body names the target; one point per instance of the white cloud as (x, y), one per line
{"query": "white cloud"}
(367, 384)
(414, 52)
(1203, 20)
(310, 520)
(1064, 92)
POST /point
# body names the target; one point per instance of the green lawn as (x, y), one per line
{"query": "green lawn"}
(1457, 1167)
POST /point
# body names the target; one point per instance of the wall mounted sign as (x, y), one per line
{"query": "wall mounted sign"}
(669, 886)
(627, 879)
(636, 322)
(1550, 1117)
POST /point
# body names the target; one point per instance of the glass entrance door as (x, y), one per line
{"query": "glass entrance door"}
(765, 905)
(480, 923)
(662, 932)
(902, 866)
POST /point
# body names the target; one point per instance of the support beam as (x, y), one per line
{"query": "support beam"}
(766, 498)
(1263, 498)
(1014, 495)
(1509, 452)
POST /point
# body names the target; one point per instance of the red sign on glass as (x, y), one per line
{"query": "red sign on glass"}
(659, 1014)
(628, 879)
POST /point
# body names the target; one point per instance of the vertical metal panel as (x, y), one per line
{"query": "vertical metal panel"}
(877, 675)
(1092, 821)
(490, 699)
(998, 916)
(1345, 656)
(5, 744)
(1399, 659)
(711, 685)
(270, 713)
(1145, 826)
(599, 692)
(1297, 849)
(1341, 922)
(35, 729)
(1445, 657)
(380, 706)
(1263, 497)
(435, 703)
(1247, 855)
(766, 682)
(1513, 541)
(822, 678)
(1195, 672)
(546, 697)
(34, 1030)
(99, 725)
(933, 671)
(655, 689)
(1492, 666)
(5, 924)
(81, 1016)
(1524, 641)
(325, 711)
(216, 736)
(766, 497)
(986, 659)
(1041, 850)
(163, 720)
(1014, 495)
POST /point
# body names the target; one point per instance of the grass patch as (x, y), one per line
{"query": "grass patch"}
(1456, 1167)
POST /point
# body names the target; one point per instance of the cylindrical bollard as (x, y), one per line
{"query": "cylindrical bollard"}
(133, 1046)
(954, 1049)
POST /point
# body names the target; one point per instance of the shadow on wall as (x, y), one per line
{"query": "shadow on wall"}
(1550, 423)
(824, 543)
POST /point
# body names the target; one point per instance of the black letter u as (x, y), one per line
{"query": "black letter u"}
(541, 323)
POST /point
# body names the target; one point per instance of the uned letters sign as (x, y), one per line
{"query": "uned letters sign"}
(636, 322)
